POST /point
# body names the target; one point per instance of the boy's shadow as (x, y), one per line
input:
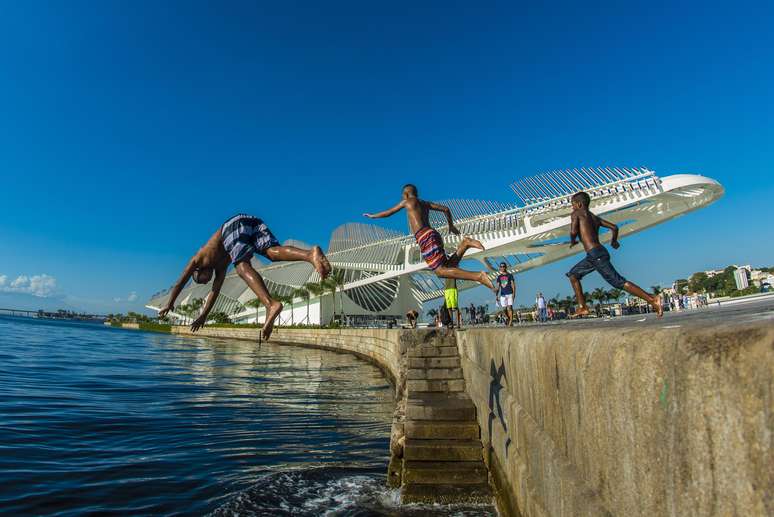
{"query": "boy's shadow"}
(495, 386)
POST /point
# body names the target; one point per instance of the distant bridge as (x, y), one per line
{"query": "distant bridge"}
(50, 315)
(18, 312)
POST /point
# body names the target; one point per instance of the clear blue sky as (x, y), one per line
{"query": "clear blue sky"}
(131, 130)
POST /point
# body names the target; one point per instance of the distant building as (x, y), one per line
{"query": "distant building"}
(758, 277)
(668, 291)
(740, 276)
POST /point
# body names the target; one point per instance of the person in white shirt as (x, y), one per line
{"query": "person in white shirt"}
(540, 302)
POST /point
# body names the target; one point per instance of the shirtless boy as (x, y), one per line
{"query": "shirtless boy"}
(235, 243)
(586, 224)
(430, 241)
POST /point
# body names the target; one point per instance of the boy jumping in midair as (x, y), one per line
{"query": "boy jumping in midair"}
(430, 241)
(586, 224)
(235, 242)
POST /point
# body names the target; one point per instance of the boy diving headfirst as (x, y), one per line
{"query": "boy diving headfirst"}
(235, 243)
(430, 241)
(586, 224)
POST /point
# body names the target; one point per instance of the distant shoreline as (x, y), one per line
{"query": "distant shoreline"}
(95, 321)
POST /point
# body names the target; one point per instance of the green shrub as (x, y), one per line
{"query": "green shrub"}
(156, 327)
(744, 292)
(220, 318)
(234, 325)
(260, 325)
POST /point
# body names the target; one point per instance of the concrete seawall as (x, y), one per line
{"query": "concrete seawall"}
(381, 347)
(587, 420)
(627, 421)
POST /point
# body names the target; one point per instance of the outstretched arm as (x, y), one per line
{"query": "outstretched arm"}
(187, 272)
(613, 228)
(574, 229)
(447, 212)
(387, 213)
(220, 275)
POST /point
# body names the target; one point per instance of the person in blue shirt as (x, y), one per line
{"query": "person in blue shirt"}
(505, 291)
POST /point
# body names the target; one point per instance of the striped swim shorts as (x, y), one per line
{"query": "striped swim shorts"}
(431, 246)
(243, 235)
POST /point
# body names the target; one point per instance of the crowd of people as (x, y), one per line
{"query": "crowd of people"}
(678, 302)
(542, 311)
(451, 315)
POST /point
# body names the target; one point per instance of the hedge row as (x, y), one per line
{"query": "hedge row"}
(260, 325)
(156, 327)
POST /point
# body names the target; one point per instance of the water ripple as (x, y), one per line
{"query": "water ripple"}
(100, 420)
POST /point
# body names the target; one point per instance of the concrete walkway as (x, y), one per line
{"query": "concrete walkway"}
(740, 311)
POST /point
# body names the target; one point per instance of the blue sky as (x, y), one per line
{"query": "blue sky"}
(131, 130)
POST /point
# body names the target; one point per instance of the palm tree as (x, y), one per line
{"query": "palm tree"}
(285, 299)
(256, 304)
(191, 309)
(598, 294)
(289, 298)
(332, 284)
(328, 287)
(614, 294)
(656, 289)
(314, 289)
(303, 293)
(196, 304)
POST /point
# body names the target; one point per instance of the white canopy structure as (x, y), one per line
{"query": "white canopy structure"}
(384, 275)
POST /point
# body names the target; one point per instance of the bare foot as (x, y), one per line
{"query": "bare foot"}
(581, 311)
(655, 301)
(271, 315)
(484, 279)
(473, 243)
(320, 262)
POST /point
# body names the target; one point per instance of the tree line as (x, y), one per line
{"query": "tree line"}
(721, 284)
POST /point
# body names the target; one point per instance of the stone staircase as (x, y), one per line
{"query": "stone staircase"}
(442, 453)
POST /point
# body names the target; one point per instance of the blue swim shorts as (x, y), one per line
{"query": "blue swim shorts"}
(598, 259)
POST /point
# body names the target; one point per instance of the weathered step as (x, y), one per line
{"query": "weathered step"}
(445, 386)
(432, 429)
(434, 362)
(433, 351)
(445, 472)
(434, 373)
(446, 494)
(442, 450)
(440, 406)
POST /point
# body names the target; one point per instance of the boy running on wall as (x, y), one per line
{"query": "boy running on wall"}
(585, 224)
